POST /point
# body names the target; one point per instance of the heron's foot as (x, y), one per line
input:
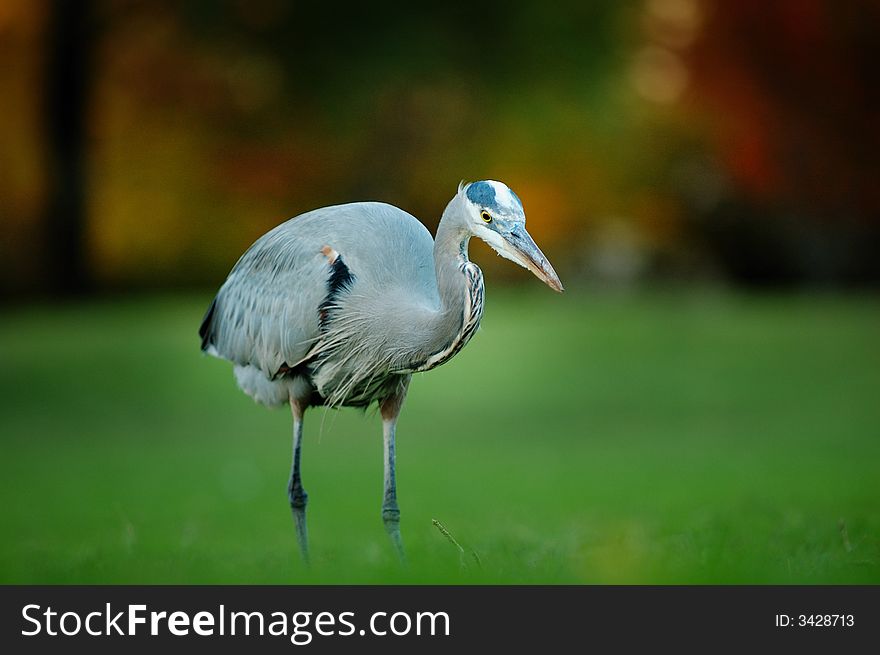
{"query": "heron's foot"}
(298, 500)
(391, 519)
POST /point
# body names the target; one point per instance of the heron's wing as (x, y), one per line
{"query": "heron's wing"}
(266, 313)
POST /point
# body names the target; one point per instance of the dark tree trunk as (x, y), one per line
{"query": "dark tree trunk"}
(66, 100)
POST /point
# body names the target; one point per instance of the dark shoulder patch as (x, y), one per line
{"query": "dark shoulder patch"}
(340, 279)
(205, 327)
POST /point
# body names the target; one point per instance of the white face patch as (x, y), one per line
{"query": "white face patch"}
(504, 198)
(498, 244)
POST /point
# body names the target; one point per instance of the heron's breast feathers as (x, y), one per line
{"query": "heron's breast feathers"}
(366, 343)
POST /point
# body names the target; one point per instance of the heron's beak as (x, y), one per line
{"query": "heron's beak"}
(521, 248)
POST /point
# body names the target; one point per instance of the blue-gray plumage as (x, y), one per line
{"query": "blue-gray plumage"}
(340, 306)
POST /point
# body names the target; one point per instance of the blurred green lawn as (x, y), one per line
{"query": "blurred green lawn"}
(668, 438)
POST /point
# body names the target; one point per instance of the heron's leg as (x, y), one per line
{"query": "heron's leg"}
(295, 492)
(390, 409)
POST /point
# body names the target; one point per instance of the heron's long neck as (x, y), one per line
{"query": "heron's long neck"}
(429, 336)
(450, 253)
(460, 287)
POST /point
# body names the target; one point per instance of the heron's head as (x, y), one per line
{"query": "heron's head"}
(495, 214)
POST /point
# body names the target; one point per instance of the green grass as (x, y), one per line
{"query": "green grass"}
(661, 439)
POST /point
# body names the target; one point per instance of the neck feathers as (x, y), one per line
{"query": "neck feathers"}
(460, 288)
(470, 314)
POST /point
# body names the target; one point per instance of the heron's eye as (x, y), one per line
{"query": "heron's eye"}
(486, 216)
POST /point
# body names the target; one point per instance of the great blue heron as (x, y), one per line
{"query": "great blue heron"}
(341, 305)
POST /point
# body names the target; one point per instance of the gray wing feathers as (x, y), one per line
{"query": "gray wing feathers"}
(266, 314)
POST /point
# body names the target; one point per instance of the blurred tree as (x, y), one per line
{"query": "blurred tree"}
(66, 103)
(655, 139)
(792, 90)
